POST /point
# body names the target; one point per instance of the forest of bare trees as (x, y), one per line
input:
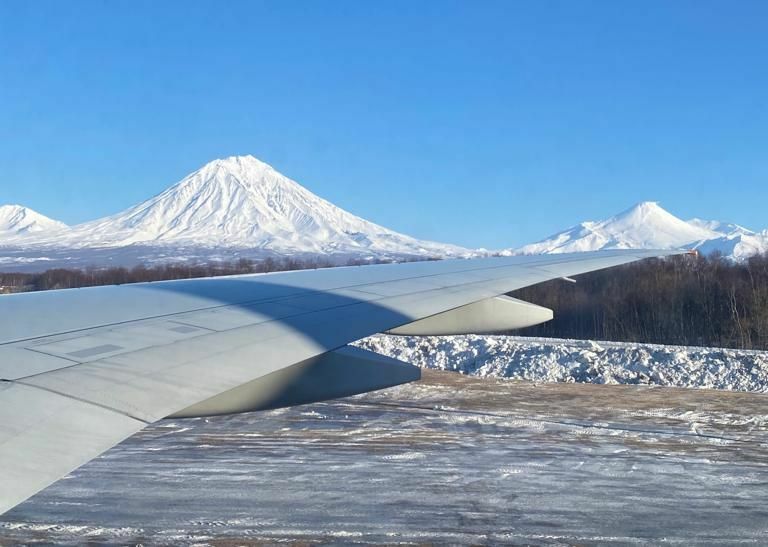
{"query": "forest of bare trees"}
(686, 300)
(703, 301)
(62, 278)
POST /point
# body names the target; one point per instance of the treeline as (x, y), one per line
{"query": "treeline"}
(699, 301)
(61, 278)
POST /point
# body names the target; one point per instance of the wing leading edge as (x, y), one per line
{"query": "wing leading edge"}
(83, 369)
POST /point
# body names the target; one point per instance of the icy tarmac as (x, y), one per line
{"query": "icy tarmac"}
(451, 459)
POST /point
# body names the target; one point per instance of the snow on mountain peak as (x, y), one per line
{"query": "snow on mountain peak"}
(17, 220)
(241, 206)
(643, 208)
(247, 169)
(647, 224)
(644, 225)
(724, 228)
(645, 212)
(242, 202)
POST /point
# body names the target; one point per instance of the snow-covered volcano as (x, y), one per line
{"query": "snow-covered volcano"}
(16, 220)
(241, 202)
(241, 207)
(648, 226)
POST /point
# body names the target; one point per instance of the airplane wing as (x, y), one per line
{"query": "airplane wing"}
(83, 369)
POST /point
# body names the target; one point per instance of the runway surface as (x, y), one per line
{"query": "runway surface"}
(449, 459)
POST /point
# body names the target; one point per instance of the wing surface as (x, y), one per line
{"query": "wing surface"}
(83, 369)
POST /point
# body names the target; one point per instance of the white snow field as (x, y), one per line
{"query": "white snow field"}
(448, 460)
(556, 360)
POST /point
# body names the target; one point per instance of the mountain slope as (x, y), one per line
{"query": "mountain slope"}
(16, 220)
(241, 202)
(723, 228)
(646, 225)
(737, 245)
(240, 207)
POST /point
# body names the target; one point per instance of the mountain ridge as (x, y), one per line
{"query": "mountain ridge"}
(17, 220)
(241, 202)
(241, 207)
(647, 225)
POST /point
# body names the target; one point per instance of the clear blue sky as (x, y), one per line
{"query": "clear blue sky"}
(479, 123)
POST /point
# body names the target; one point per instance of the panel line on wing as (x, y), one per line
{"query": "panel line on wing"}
(78, 399)
(57, 356)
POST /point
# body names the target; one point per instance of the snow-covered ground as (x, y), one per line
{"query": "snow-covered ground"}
(448, 460)
(555, 360)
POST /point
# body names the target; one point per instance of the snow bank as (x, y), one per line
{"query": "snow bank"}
(555, 360)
